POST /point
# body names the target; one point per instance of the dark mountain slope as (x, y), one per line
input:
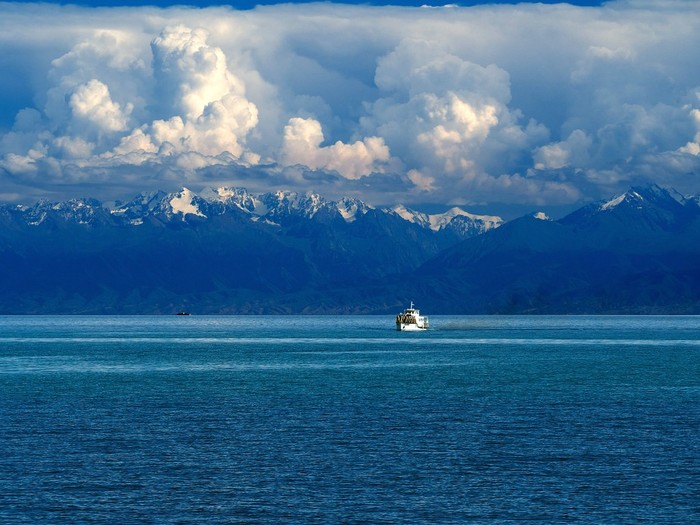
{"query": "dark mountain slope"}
(234, 252)
(639, 253)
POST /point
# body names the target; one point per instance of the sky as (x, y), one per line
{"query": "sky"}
(250, 4)
(481, 105)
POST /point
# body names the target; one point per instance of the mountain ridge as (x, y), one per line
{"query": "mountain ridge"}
(635, 253)
(214, 201)
(217, 251)
(231, 251)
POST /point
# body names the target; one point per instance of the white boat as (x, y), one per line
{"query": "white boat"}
(411, 320)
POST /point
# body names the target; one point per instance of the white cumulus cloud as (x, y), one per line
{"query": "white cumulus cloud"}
(302, 145)
(92, 102)
(448, 118)
(523, 103)
(212, 114)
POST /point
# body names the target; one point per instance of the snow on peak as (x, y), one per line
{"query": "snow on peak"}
(281, 203)
(614, 202)
(183, 202)
(238, 197)
(632, 196)
(542, 216)
(349, 209)
(143, 204)
(81, 211)
(439, 221)
(409, 215)
(290, 201)
(217, 194)
(225, 194)
(651, 194)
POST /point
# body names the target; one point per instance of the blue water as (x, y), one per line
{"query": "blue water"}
(345, 420)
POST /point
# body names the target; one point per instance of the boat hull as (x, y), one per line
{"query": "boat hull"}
(410, 327)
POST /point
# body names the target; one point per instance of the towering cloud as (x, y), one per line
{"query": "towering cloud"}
(448, 118)
(211, 114)
(524, 103)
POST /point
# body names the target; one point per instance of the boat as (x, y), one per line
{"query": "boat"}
(411, 320)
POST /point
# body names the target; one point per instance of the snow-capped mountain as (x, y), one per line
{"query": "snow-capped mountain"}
(228, 250)
(160, 245)
(77, 211)
(638, 252)
(273, 208)
(455, 219)
(135, 210)
(640, 208)
(644, 197)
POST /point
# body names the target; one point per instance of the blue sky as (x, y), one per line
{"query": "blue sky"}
(249, 4)
(530, 104)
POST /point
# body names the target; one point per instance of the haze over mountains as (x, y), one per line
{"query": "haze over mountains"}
(227, 250)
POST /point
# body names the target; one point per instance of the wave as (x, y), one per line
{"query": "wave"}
(349, 341)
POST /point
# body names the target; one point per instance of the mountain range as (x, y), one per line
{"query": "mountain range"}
(226, 250)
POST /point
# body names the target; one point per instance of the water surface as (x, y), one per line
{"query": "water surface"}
(266, 419)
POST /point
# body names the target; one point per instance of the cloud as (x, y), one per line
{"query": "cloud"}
(302, 145)
(524, 103)
(570, 152)
(447, 118)
(80, 79)
(92, 103)
(212, 114)
(421, 181)
(693, 146)
(190, 73)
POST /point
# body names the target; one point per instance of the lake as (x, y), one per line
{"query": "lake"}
(328, 419)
